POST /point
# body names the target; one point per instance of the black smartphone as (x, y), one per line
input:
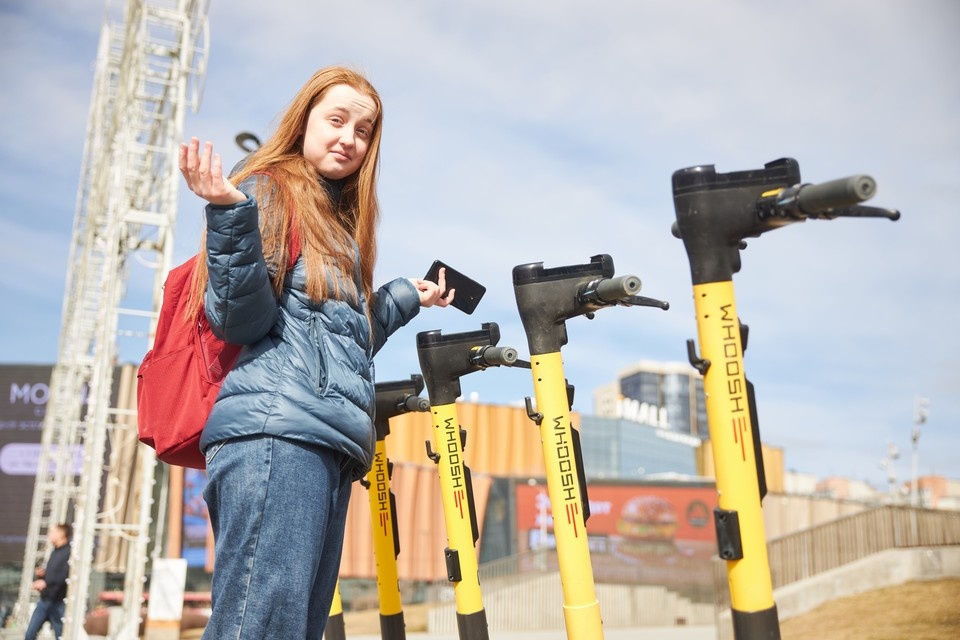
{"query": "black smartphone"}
(469, 291)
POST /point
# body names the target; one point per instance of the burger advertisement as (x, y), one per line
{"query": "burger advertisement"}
(658, 530)
(647, 524)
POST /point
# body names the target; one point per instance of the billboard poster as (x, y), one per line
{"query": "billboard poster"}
(24, 390)
(638, 533)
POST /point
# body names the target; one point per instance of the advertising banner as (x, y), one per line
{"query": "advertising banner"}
(24, 390)
(638, 533)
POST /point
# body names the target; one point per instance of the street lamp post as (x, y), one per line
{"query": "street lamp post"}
(247, 141)
(920, 412)
(887, 464)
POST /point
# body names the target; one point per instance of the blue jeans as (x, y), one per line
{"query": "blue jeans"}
(278, 508)
(46, 610)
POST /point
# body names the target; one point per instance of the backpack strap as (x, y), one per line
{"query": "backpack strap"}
(295, 242)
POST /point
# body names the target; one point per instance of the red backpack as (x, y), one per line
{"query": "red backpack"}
(180, 377)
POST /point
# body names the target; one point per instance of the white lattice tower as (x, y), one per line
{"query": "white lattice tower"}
(150, 66)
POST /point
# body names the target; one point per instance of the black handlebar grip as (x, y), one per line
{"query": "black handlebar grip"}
(814, 198)
(613, 289)
(496, 356)
(416, 403)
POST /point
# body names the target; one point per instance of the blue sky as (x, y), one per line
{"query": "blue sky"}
(527, 132)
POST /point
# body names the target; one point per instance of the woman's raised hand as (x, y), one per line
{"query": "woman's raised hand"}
(434, 293)
(204, 174)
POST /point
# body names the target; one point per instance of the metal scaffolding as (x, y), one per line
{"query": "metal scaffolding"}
(150, 68)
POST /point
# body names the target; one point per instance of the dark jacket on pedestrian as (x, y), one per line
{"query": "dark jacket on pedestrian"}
(56, 573)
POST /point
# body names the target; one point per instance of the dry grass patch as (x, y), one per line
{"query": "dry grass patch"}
(923, 610)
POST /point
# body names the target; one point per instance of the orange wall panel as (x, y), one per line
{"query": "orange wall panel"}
(420, 524)
(501, 440)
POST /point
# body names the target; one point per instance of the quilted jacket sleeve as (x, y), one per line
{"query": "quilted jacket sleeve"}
(394, 305)
(240, 304)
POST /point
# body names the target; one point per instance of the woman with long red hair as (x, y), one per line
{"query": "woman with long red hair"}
(286, 270)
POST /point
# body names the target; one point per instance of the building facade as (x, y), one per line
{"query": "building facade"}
(665, 395)
(936, 492)
(621, 449)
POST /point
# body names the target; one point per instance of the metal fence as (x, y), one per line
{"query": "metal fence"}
(827, 546)
(523, 592)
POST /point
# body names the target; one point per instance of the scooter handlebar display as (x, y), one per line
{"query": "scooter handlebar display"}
(716, 212)
(547, 298)
(444, 359)
(396, 397)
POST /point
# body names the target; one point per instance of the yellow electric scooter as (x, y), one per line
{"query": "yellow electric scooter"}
(715, 213)
(392, 399)
(443, 361)
(546, 299)
(335, 629)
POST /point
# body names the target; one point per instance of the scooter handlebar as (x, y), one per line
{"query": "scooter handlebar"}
(415, 403)
(613, 289)
(491, 356)
(608, 290)
(803, 201)
(814, 198)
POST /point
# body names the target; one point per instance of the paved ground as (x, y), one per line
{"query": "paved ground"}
(640, 633)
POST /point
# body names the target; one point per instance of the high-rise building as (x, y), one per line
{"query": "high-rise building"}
(621, 449)
(666, 395)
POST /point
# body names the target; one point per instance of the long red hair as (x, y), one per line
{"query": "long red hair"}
(295, 189)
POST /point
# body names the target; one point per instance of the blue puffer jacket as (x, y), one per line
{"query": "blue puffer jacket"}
(306, 372)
